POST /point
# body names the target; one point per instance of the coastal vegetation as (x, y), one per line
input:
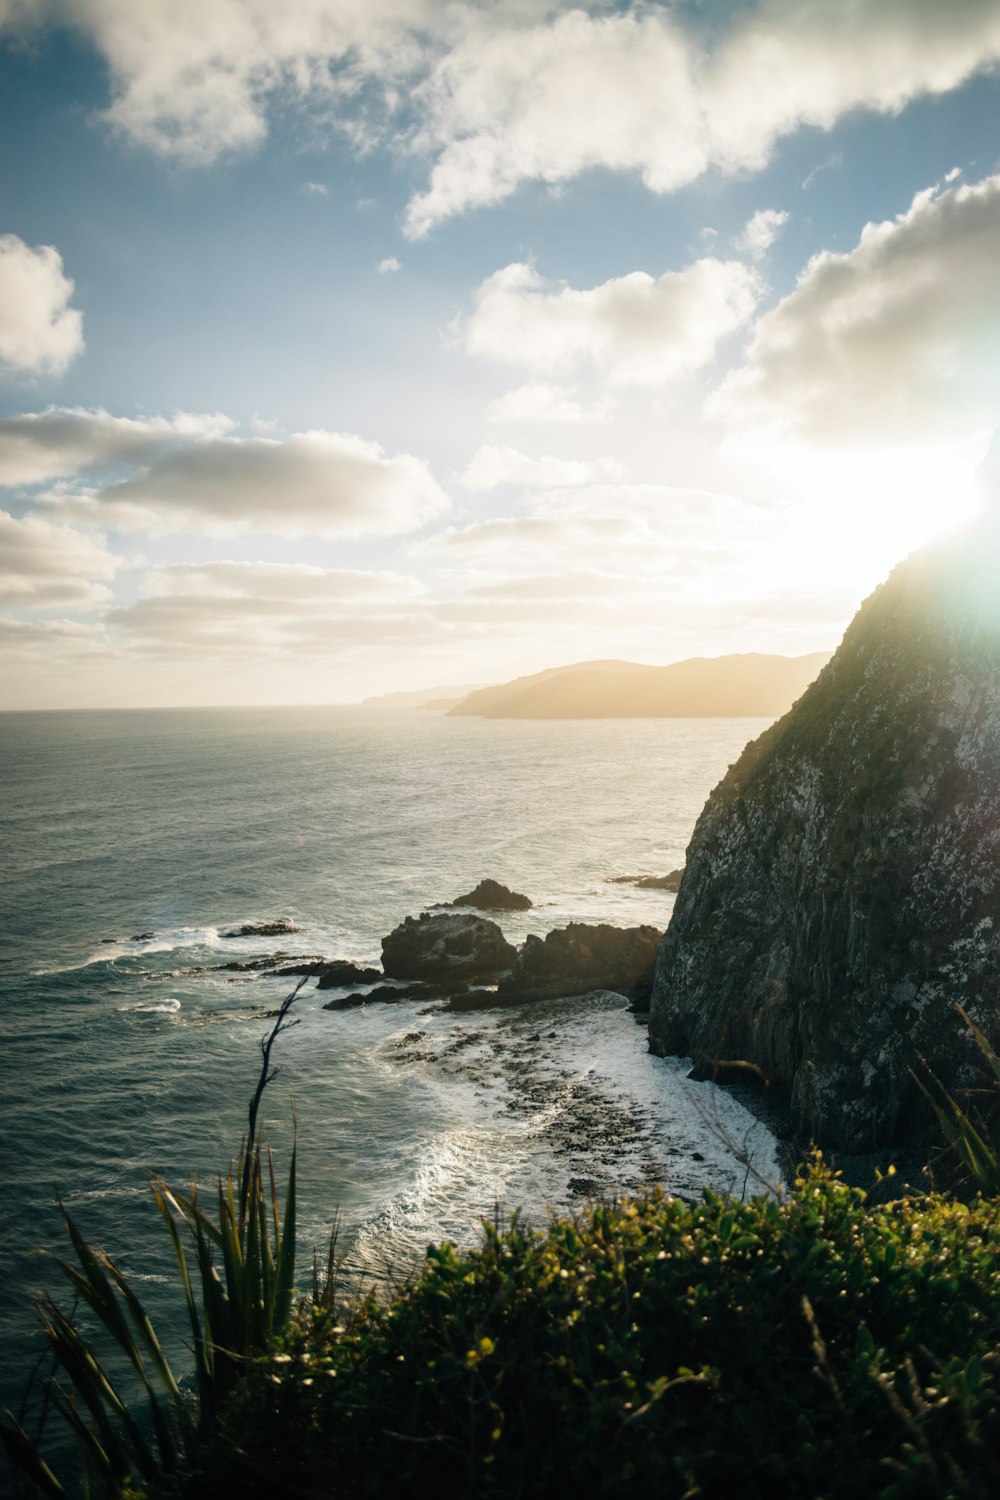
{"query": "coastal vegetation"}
(806, 1342)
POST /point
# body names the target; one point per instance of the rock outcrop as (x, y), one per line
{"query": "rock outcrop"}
(671, 882)
(337, 971)
(446, 946)
(842, 888)
(581, 957)
(490, 895)
(275, 927)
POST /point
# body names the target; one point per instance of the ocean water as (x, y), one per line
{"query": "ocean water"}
(131, 841)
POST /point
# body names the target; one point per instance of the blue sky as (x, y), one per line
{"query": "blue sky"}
(353, 348)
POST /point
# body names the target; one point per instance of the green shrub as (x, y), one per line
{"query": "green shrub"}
(812, 1346)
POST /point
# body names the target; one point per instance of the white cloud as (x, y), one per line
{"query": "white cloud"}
(639, 92)
(69, 638)
(543, 401)
(637, 529)
(636, 329)
(40, 334)
(761, 231)
(44, 566)
(300, 585)
(309, 483)
(389, 263)
(830, 165)
(36, 446)
(501, 92)
(895, 339)
(316, 189)
(195, 83)
(249, 609)
(491, 466)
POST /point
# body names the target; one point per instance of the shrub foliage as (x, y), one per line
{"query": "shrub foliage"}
(812, 1346)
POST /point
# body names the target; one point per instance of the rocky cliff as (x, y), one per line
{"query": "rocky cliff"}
(842, 888)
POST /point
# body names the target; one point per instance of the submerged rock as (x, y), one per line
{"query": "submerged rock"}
(490, 895)
(276, 927)
(446, 946)
(581, 957)
(842, 889)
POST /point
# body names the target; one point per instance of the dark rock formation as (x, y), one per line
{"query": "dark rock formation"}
(671, 882)
(273, 964)
(339, 971)
(490, 895)
(446, 946)
(842, 889)
(277, 927)
(581, 957)
(382, 994)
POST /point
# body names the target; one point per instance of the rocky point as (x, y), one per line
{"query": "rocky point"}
(842, 888)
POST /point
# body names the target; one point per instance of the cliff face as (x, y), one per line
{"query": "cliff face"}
(842, 888)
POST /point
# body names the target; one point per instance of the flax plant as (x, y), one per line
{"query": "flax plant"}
(236, 1266)
(971, 1139)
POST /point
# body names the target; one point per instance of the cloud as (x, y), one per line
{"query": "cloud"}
(640, 92)
(36, 446)
(193, 89)
(636, 329)
(316, 189)
(895, 339)
(761, 231)
(44, 566)
(490, 467)
(299, 585)
(496, 93)
(248, 609)
(632, 529)
(310, 483)
(830, 165)
(390, 263)
(542, 401)
(70, 638)
(40, 334)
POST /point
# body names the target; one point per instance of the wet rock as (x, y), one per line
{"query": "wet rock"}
(141, 937)
(490, 895)
(338, 971)
(842, 889)
(446, 946)
(476, 997)
(581, 957)
(347, 1002)
(280, 964)
(389, 993)
(671, 882)
(276, 927)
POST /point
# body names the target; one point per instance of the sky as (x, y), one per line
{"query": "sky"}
(353, 346)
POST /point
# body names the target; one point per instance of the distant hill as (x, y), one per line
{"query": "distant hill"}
(741, 686)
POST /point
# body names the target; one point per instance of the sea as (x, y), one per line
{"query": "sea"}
(133, 842)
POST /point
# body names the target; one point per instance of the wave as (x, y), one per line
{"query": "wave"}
(166, 1007)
